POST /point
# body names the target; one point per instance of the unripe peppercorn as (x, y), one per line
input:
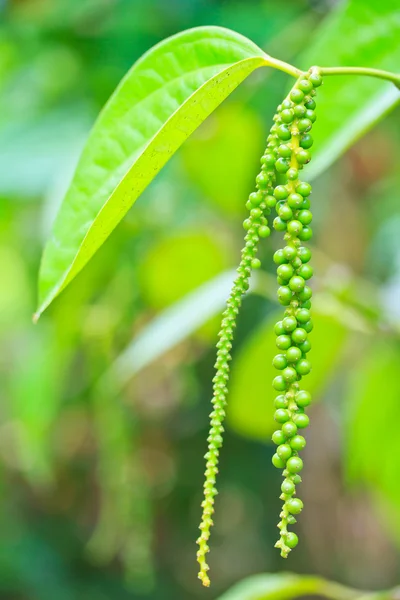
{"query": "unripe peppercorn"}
(294, 464)
(301, 420)
(289, 324)
(297, 443)
(288, 487)
(281, 415)
(304, 254)
(291, 540)
(278, 462)
(294, 506)
(283, 342)
(281, 401)
(296, 95)
(284, 451)
(289, 429)
(303, 188)
(280, 361)
(303, 398)
(299, 335)
(293, 354)
(278, 437)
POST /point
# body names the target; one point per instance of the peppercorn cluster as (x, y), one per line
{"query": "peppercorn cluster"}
(259, 206)
(294, 121)
(286, 153)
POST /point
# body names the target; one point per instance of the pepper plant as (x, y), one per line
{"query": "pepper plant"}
(166, 95)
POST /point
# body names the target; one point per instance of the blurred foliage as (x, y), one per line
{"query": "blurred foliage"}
(104, 405)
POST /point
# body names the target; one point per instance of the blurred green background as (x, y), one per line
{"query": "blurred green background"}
(104, 404)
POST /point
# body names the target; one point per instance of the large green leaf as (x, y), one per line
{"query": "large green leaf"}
(166, 95)
(285, 586)
(356, 33)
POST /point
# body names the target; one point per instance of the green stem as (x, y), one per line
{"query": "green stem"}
(393, 77)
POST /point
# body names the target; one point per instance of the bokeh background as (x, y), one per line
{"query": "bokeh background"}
(104, 404)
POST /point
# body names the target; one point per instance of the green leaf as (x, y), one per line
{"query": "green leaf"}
(250, 410)
(372, 407)
(285, 586)
(356, 33)
(166, 95)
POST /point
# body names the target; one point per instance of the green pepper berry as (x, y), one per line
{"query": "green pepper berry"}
(287, 115)
(297, 443)
(299, 335)
(310, 104)
(301, 420)
(284, 133)
(303, 399)
(279, 257)
(303, 156)
(315, 79)
(296, 96)
(305, 234)
(289, 252)
(296, 284)
(279, 330)
(285, 212)
(305, 85)
(285, 151)
(278, 462)
(292, 174)
(304, 125)
(288, 486)
(284, 295)
(279, 224)
(294, 464)
(289, 429)
(280, 362)
(289, 324)
(304, 254)
(309, 326)
(283, 342)
(306, 271)
(281, 415)
(303, 367)
(279, 383)
(294, 506)
(282, 165)
(262, 180)
(303, 188)
(293, 354)
(284, 451)
(295, 200)
(289, 374)
(305, 346)
(305, 294)
(278, 437)
(304, 216)
(303, 315)
(299, 111)
(280, 192)
(281, 401)
(255, 263)
(310, 114)
(291, 540)
(294, 227)
(264, 231)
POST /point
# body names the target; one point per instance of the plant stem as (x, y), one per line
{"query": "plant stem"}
(393, 77)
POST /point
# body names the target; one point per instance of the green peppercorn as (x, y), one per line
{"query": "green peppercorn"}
(289, 429)
(285, 151)
(289, 252)
(291, 540)
(264, 231)
(285, 212)
(279, 257)
(296, 96)
(299, 335)
(295, 200)
(304, 216)
(305, 294)
(306, 271)
(278, 437)
(301, 419)
(294, 506)
(303, 156)
(280, 361)
(255, 263)
(304, 125)
(305, 346)
(289, 374)
(303, 399)
(303, 315)
(297, 443)
(303, 188)
(294, 464)
(305, 234)
(294, 227)
(292, 174)
(309, 326)
(305, 85)
(278, 462)
(303, 367)
(296, 283)
(283, 342)
(281, 415)
(299, 111)
(288, 486)
(284, 451)
(310, 104)
(284, 295)
(316, 79)
(293, 354)
(281, 401)
(282, 165)
(279, 330)
(289, 324)
(279, 224)
(284, 133)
